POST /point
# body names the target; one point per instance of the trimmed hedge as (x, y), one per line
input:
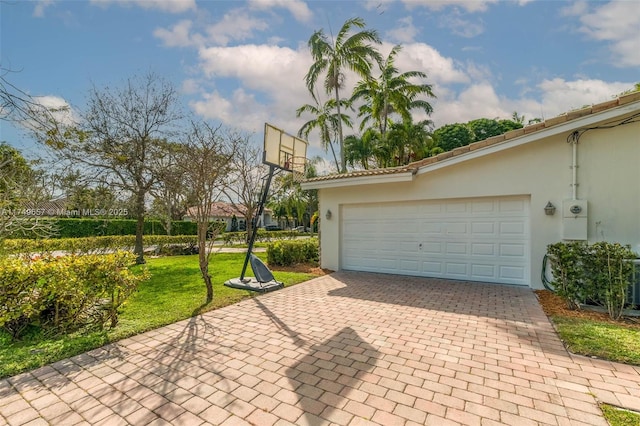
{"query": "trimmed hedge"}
(91, 244)
(79, 228)
(231, 238)
(290, 252)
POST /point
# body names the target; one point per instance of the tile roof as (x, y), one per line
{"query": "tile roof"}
(537, 127)
(221, 209)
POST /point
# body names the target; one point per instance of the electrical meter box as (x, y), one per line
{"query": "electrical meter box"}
(574, 219)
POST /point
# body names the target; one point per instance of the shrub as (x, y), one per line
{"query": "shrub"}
(290, 252)
(67, 293)
(599, 274)
(609, 273)
(567, 269)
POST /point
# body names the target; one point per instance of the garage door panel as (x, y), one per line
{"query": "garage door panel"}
(512, 273)
(512, 250)
(456, 228)
(431, 228)
(456, 248)
(482, 207)
(483, 228)
(483, 272)
(410, 265)
(457, 269)
(432, 248)
(474, 239)
(483, 249)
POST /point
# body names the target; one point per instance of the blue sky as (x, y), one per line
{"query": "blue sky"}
(243, 63)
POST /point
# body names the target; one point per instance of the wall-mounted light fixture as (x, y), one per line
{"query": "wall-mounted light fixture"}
(328, 215)
(549, 209)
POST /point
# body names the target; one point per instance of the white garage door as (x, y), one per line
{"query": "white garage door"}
(479, 239)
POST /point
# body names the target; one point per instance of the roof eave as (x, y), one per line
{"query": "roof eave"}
(406, 176)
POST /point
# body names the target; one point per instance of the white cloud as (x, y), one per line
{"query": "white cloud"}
(422, 57)
(275, 74)
(460, 26)
(476, 101)
(235, 25)
(41, 5)
(617, 22)
(405, 32)
(170, 6)
(468, 5)
(190, 86)
(298, 9)
(554, 97)
(559, 95)
(178, 36)
(56, 106)
(577, 8)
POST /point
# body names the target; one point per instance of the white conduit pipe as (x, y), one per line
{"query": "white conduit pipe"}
(574, 167)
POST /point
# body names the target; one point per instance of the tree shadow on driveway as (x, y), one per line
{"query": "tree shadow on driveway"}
(327, 379)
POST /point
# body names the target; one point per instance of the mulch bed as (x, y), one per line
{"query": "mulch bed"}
(553, 305)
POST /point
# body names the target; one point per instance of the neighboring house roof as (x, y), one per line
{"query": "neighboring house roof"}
(572, 119)
(221, 209)
(51, 207)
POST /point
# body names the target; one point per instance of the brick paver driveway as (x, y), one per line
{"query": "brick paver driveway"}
(343, 349)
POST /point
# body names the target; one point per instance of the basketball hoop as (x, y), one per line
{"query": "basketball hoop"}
(298, 167)
(285, 152)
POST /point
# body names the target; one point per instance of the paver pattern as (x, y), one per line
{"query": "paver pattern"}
(342, 349)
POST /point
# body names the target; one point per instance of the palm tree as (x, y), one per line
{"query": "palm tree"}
(360, 150)
(391, 93)
(408, 142)
(350, 51)
(326, 121)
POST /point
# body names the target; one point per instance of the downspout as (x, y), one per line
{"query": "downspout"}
(574, 165)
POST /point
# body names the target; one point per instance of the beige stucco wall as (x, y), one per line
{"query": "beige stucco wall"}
(608, 177)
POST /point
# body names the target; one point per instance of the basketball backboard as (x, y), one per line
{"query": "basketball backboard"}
(283, 150)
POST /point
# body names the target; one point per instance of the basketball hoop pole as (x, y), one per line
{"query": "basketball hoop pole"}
(254, 231)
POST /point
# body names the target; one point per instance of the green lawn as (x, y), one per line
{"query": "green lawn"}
(600, 339)
(618, 417)
(174, 292)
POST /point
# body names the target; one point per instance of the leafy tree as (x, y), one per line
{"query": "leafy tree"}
(516, 118)
(289, 201)
(326, 122)
(508, 125)
(451, 136)
(353, 51)
(361, 150)
(484, 128)
(206, 159)
(391, 93)
(80, 194)
(20, 190)
(119, 138)
(409, 142)
(245, 180)
(170, 200)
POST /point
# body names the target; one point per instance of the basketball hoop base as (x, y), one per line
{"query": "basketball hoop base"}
(252, 284)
